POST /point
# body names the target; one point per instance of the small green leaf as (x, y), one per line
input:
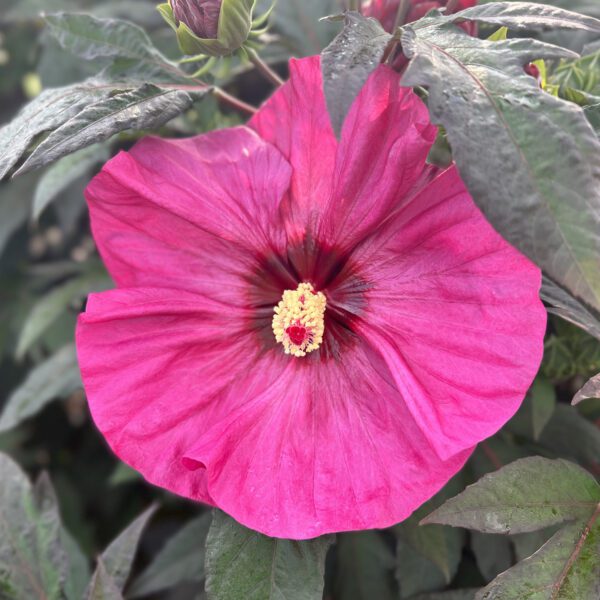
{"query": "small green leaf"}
(118, 557)
(56, 377)
(526, 495)
(348, 61)
(365, 566)
(180, 561)
(241, 563)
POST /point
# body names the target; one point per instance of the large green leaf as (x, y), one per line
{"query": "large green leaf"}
(529, 159)
(55, 377)
(139, 89)
(365, 566)
(180, 561)
(241, 563)
(529, 494)
(37, 557)
(565, 568)
(347, 62)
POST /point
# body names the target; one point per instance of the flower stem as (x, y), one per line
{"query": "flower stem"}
(264, 68)
(402, 13)
(234, 102)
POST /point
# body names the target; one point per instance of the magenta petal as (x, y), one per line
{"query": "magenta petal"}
(454, 310)
(320, 447)
(385, 141)
(296, 121)
(189, 214)
(154, 363)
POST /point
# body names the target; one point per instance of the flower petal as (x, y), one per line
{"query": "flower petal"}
(320, 446)
(189, 214)
(154, 363)
(296, 121)
(381, 158)
(455, 312)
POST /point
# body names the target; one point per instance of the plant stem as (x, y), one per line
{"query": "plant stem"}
(264, 68)
(402, 13)
(233, 101)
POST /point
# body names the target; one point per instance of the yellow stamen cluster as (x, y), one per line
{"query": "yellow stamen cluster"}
(300, 310)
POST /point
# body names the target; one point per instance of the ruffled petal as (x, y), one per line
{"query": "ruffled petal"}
(320, 446)
(189, 214)
(380, 161)
(295, 120)
(454, 310)
(154, 363)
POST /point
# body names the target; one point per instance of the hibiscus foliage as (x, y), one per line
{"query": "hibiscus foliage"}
(514, 88)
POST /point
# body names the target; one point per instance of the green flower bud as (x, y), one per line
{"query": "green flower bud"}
(210, 27)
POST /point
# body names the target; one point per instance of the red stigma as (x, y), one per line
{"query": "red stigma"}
(296, 333)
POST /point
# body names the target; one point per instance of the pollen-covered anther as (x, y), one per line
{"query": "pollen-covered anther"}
(299, 320)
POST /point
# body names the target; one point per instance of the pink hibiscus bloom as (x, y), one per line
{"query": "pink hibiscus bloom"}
(311, 335)
(386, 10)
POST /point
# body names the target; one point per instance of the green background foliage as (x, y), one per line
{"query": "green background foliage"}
(520, 521)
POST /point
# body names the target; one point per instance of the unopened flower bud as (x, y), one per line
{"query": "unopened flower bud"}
(210, 27)
(201, 16)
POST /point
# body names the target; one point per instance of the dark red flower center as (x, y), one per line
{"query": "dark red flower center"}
(297, 334)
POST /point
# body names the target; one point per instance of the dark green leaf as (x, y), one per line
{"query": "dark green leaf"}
(118, 557)
(241, 563)
(565, 568)
(428, 556)
(528, 158)
(14, 206)
(590, 390)
(565, 306)
(103, 586)
(180, 561)
(61, 175)
(526, 495)
(570, 435)
(56, 377)
(527, 16)
(35, 552)
(365, 567)
(536, 410)
(525, 544)
(146, 107)
(50, 306)
(493, 553)
(416, 573)
(347, 62)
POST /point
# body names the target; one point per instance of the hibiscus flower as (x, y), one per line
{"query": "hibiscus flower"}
(310, 334)
(386, 11)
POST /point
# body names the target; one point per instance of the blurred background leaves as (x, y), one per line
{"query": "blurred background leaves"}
(92, 527)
